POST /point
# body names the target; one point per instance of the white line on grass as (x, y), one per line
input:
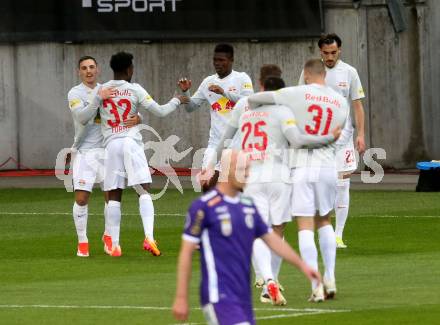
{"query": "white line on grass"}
(167, 308)
(90, 214)
(183, 215)
(294, 312)
(391, 216)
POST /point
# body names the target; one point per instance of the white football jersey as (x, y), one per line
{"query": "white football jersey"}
(344, 79)
(130, 97)
(87, 136)
(318, 110)
(261, 136)
(236, 85)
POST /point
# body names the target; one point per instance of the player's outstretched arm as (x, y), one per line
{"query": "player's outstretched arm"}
(245, 91)
(181, 306)
(163, 110)
(299, 140)
(261, 98)
(281, 248)
(84, 113)
(196, 100)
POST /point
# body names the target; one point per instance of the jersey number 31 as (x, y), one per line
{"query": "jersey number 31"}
(317, 119)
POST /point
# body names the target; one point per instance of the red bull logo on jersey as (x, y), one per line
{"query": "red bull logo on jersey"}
(223, 105)
(322, 99)
(123, 93)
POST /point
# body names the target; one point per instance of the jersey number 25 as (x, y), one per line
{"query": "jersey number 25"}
(247, 128)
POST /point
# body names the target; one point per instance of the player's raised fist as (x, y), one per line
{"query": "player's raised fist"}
(216, 89)
(106, 93)
(184, 84)
(337, 132)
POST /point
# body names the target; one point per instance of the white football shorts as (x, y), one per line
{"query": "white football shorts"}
(272, 201)
(125, 164)
(88, 169)
(346, 161)
(314, 191)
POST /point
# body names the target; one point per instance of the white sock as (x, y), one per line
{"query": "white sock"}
(327, 244)
(106, 224)
(114, 220)
(256, 270)
(262, 256)
(80, 215)
(146, 209)
(342, 204)
(307, 248)
(276, 265)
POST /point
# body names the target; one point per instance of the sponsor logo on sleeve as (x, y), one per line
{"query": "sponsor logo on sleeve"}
(197, 226)
(290, 122)
(361, 92)
(247, 85)
(74, 103)
(214, 201)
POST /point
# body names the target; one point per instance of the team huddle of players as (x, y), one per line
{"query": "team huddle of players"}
(298, 142)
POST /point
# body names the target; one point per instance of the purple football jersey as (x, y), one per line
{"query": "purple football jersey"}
(226, 228)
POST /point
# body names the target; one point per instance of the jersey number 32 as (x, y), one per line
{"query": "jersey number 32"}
(123, 104)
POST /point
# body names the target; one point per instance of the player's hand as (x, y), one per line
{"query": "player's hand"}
(337, 132)
(184, 84)
(183, 99)
(360, 144)
(311, 274)
(205, 176)
(67, 163)
(180, 309)
(132, 120)
(216, 89)
(106, 93)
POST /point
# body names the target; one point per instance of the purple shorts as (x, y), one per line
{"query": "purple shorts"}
(228, 313)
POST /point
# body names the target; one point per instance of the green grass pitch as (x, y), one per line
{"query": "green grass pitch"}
(390, 274)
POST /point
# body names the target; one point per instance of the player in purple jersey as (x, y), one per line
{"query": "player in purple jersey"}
(225, 223)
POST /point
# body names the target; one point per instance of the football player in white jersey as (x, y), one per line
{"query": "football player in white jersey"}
(87, 150)
(125, 162)
(344, 79)
(221, 91)
(317, 110)
(265, 134)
